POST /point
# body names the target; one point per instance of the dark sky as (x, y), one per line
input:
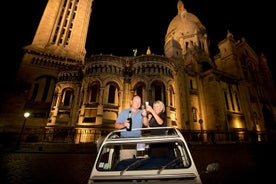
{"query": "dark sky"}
(119, 26)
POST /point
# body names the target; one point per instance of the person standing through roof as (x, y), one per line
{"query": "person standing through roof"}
(126, 151)
(137, 118)
(156, 116)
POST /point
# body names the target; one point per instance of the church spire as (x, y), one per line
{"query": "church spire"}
(180, 7)
(148, 51)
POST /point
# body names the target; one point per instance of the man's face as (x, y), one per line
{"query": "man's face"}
(136, 102)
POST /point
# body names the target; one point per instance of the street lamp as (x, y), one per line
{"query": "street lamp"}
(201, 129)
(26, 115)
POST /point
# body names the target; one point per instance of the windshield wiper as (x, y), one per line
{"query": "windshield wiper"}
(169, 164)
(134, 163)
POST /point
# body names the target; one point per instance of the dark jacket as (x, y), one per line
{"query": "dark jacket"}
(153, 123)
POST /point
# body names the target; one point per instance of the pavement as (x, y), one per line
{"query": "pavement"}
(45, 168)
(238, 163)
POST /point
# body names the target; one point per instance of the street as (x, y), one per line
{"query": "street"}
(49, 168)
(239, 163)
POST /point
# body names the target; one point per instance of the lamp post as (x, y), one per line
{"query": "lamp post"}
(26, 115)
(201, 129)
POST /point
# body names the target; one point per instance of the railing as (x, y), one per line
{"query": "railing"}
(71, 137)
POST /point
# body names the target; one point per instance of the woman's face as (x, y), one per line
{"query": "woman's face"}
(157, 108)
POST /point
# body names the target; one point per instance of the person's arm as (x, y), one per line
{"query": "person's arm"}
(119, 125)
(121, 121)
(157, 118)
(145, 118)
(145, 121)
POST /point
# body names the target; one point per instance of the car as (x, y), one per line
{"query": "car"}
(149, 158)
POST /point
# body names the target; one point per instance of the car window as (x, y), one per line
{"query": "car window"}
(147, 155)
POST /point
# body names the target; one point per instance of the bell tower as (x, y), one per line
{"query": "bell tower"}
(58, 44)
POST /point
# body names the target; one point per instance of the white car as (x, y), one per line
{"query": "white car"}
(149, 158)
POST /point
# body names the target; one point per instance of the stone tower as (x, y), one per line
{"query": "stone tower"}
(58, 45)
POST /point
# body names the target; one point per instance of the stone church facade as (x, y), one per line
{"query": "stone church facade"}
(67, 92)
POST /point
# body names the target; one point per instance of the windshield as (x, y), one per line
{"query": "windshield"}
(143, 156)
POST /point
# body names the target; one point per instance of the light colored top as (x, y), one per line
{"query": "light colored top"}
(137, 122)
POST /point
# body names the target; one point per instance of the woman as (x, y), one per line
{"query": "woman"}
(156, 116)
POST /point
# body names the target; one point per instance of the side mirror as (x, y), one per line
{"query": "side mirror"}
(212, 168)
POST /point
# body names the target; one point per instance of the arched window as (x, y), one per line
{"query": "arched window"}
(171, 96)
(67, 97)
(94, 92)
(35, 91)
(139, 89)
(194, 111)
(111, 93)
(43, 88)
(158, 92)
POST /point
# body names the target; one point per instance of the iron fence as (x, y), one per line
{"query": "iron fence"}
(70, 136)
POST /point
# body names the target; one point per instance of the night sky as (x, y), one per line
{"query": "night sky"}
(119, 26)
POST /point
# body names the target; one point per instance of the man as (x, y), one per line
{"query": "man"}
(136, 115)
(128, 152)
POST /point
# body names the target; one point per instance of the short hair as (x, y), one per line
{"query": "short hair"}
(159, 102)
(135, 96)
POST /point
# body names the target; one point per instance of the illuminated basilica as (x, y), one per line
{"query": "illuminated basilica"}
(66, 91)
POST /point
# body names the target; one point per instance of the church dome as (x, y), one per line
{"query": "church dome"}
(184, 24)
